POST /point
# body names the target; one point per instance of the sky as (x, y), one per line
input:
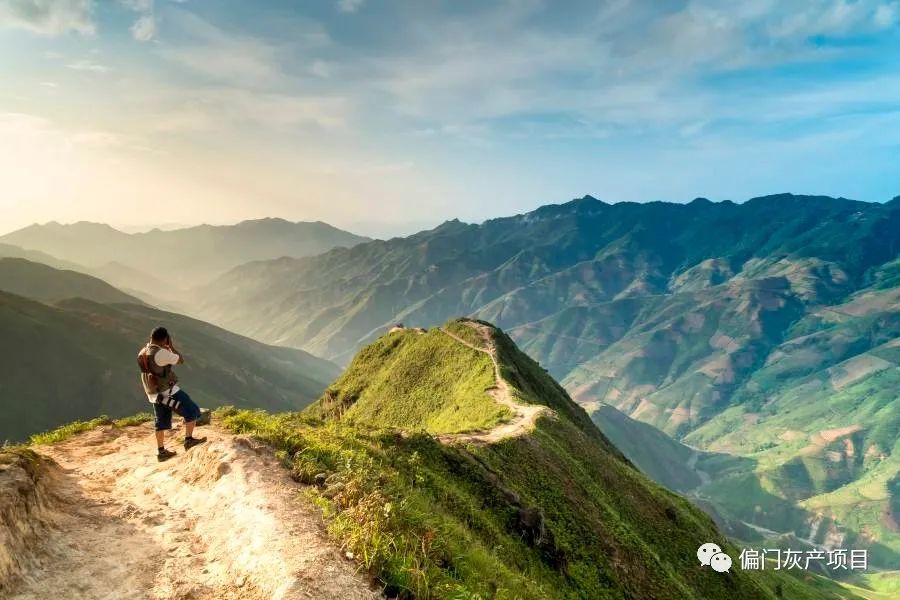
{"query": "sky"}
(389, 116)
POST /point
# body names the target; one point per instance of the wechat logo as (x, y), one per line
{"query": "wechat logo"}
(711, 555)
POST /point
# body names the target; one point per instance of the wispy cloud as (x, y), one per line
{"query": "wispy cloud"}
(836, 18)
(48, 17)
(494, 101)
(144, 29)
(350, 6)
(87, 65)
(621, 65)
(221, 55)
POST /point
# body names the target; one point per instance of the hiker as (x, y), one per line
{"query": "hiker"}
(156, 360)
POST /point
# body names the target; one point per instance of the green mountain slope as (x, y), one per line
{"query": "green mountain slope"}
(76, 359)
(551, 511)
(46, 284)
(821, 419)
(746, 329)
(161, 262)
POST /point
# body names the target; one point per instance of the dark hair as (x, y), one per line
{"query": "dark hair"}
(159, 334)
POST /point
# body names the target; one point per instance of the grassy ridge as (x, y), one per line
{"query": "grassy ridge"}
(416, 381)
(436, 521)
(557, 513)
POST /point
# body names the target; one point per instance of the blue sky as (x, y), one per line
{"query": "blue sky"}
(389, 115)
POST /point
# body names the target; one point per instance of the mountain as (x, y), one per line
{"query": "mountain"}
(523, 269)
(75, 359)
(663, 459)
(10, 251)
(178, 258)
(454, 466)
(46, 284)
(728, 326)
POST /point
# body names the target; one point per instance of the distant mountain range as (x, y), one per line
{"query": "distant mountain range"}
(160, 263)
(69, 350)
(765, 329)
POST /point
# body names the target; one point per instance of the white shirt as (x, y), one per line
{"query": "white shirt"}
(165, 357)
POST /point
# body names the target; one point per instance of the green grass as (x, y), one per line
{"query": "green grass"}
(876, 586)
(419, 382)
(435, 521)
(65, 432)
(401, 508)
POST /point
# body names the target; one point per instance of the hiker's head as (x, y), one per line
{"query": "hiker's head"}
(159, 335)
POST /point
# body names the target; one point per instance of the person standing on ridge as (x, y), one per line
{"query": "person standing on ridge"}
(156, 360)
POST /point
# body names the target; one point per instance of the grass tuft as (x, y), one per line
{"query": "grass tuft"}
(67, 431)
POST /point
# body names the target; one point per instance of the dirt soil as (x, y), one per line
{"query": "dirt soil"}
(222, 520)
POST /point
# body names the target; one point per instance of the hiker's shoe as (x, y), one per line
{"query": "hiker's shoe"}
(192, 441)
(165, 455)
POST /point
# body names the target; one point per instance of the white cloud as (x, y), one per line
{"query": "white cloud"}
(837, 18)
(87, 65)
(144, 29)
(221, 55)
(887, 15)
(48, 17)
(350, 6)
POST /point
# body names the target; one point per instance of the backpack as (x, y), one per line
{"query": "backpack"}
(154, 380)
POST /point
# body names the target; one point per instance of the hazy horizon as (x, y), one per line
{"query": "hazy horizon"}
(376, 229)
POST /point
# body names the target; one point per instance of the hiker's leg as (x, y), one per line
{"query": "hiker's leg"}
(186, 407)
(163, 422)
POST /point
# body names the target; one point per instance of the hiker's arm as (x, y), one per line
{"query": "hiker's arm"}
(166, 357)
(177, 353)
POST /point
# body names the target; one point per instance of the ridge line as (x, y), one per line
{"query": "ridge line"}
(524, 415)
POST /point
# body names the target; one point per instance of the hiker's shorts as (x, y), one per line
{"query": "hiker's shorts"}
(181, 404)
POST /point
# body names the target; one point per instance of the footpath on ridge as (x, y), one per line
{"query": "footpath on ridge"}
(524, 415)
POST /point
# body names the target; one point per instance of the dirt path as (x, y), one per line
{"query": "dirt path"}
(524, 415)
(221, 521)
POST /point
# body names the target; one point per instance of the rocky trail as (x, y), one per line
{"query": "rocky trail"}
(222, 520)
(524, 415)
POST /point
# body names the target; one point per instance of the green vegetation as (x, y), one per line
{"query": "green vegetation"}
(663, 459)
(555, 513)
(69, 430)
(416, 381)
